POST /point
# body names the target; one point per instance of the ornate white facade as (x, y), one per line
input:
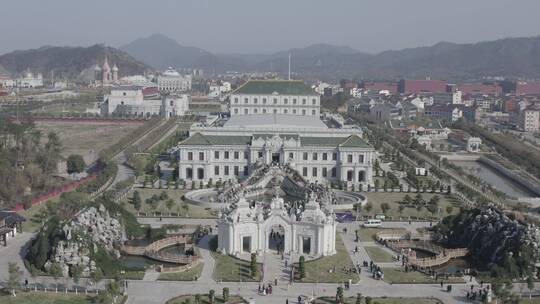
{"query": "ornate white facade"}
(130, 101)
(275, 97)
(173, 82)
(248, 229)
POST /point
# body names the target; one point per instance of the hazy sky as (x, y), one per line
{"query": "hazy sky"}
(243, 26)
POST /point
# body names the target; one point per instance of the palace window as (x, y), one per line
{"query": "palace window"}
(285, 101)
(189, 173)
(236, 155)
(304, 101)
(303, 112)
(245, 155)
(304, 172)
(349, 158)
(236, 170)
(255, 100)
(275, 100)
(334, 172)
(260, 154)
(236, 100)
(226, 155)
(361, 158)
(324, 172)
(216, 154)
(325, 156)
(226, 169)
(264, 100)
(304, 156)
(314, 171)
(315, 156)
(246, 100)
(246, 171)
(294, 101)
(334, 156)
(201, 155)
(216, 170)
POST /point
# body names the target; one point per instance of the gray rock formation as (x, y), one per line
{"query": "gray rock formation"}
(91, 228)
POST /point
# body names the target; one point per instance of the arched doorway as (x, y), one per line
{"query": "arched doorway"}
(276, 238)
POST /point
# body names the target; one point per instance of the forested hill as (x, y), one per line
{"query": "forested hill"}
(70, 62)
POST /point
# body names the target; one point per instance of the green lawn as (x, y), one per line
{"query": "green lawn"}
(319, 270)
(44, 298)
(189, 275)
(132, 275)
(399, 276)
(526, 300)
(206, 300)
(231, 269)
(179, 206)
(352, 300)
(379, 255)
(375, 199)
(368, 234)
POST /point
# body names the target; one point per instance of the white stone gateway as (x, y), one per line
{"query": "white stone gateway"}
(278, 227)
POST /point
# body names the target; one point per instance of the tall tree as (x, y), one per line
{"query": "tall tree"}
(15, 275)
(75, 164)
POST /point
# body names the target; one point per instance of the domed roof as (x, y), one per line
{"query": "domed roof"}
(97, 68)
(171, 72)
(115, 68)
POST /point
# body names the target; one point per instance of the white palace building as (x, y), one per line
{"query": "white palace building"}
(286, 133)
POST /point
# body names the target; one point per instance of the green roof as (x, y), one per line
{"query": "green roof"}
(198, 139)
(352, 141)
(208, 140)
(281, 87)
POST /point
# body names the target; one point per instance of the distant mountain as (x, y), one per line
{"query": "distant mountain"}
(70, 62)
(161, 52)
(511, 57)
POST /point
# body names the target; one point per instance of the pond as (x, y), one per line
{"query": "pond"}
(496, 179)
(133, 262)
(454, 266)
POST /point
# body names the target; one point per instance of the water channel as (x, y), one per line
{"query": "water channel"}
(496, 179)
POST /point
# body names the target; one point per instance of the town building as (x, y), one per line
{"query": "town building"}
(528, 88)
(173, 82)
(130, 101)
(481, 89)
(449, 113)
(260, 97)
(529, 119)
(409, 86)
(27, 81)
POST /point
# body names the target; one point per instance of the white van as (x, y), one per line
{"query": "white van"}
(372, 223)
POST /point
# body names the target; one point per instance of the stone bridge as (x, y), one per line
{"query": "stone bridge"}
(441, 255)
(153, 250)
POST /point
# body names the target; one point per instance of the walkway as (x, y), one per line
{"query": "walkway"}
(274, 268)
(209, 262)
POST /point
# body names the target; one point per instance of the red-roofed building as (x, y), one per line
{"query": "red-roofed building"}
(150, 92)
(480, 89)
(524, 88)
(407, 86)
(391, 87)
(509, 106)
